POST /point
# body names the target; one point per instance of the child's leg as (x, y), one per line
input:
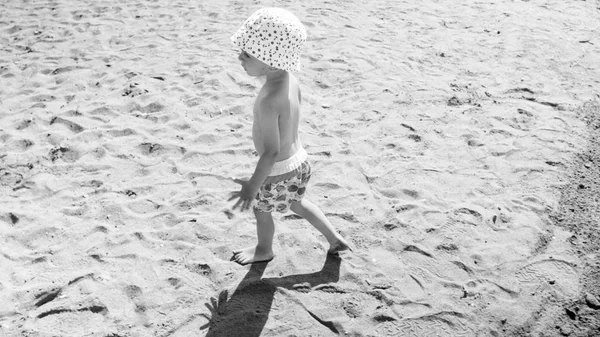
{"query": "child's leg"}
(315, 216)
(263, 251)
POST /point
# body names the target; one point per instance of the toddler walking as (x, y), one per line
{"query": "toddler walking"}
(270, 41)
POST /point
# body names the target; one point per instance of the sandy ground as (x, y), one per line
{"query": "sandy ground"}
(454, 143)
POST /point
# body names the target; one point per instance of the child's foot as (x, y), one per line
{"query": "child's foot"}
(338, 246)
(251, 255)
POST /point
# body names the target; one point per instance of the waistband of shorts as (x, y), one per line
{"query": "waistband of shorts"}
(285, 176)
(290, 164)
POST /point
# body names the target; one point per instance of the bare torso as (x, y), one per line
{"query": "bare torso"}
(288, 98)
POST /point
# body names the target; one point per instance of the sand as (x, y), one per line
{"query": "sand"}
(454, 144)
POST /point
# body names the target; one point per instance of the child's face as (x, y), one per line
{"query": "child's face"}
(252, 65)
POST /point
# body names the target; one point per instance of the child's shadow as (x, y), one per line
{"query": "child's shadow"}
(247, 310)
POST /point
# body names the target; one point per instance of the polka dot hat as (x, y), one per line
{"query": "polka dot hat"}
(274, 36)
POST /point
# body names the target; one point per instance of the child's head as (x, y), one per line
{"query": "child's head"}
(274, 36)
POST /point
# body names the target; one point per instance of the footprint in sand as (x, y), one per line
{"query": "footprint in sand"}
(151, 149)
(133, 90)
(42, 237)
(444, 324)
(153, 108)
(144, 206)
(505, 134)
(453, 271)
(404, 208)
(23, 124)
(416, 138)
(187, 205)
(520, 122)
(490, 188)
(10, 218)
(20, 145)
(354, 307)
(45, 299)
(155, 149)
(468, 215)
(199, 268)
(478, 287)
(78, 15)
(175, 282)
(66, 154)
(554, 275)
(133, 291)
(459, 218)
(395, 193)
(98, 152)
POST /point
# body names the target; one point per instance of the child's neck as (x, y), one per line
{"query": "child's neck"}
(276, 76)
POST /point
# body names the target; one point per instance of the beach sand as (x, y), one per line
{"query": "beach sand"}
(455, 144)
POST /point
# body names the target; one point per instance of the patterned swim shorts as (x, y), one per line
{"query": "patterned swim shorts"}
(279, 195)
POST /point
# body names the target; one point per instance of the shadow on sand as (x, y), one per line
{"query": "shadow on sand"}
(245, 313)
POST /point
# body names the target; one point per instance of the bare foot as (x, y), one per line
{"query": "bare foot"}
(338, 246)
(252, 255)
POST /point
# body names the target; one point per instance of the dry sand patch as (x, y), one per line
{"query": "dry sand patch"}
(454, 144)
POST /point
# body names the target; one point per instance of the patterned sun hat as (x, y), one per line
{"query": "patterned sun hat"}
(274, 36)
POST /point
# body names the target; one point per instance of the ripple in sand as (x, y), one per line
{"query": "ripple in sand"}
(144, 206)
(43, 98)
(122, 133)
(103, 111)
(75, 211)
(62, 70)
(71, 125)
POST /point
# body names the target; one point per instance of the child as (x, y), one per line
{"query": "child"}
(270, 41)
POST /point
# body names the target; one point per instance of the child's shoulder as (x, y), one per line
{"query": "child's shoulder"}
(273, 100)
(283, 92)
(282, 100)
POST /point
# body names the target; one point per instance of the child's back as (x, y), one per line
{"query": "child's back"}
(285, 97)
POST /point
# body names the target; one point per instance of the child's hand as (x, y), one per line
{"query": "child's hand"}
(246, 195)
